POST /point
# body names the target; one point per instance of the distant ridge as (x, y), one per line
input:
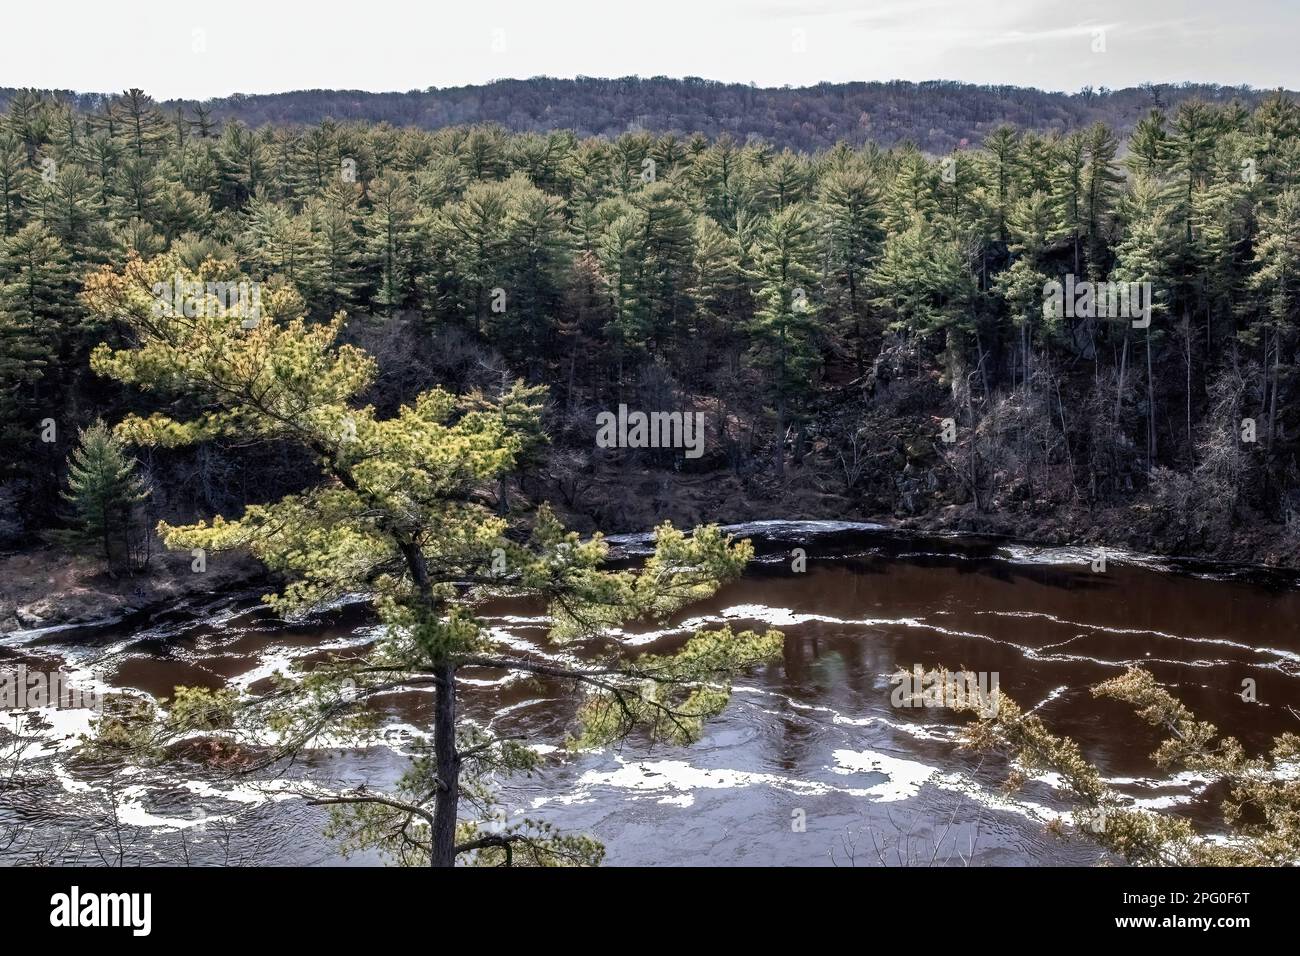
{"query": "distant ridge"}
(936, 115)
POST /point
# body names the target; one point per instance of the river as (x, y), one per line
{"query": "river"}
(810, 764)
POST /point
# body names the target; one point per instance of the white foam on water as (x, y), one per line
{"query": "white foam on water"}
(660, 777)
(905, 776)
(64, 730)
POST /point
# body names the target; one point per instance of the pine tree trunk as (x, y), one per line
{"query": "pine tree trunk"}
(443, 838)
(1187, 331)
(779, 460)
(1272, 405)
(1151, 408)
(780, 411)
(1119, 385)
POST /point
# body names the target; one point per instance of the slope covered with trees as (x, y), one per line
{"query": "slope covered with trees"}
(837, 316)
(937, 116)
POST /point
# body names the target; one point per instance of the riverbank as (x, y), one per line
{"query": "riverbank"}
(630, 500)
(48, 586)
(1136, 528)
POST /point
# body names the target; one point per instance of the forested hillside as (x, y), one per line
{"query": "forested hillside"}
(936, 116)
(862, 326)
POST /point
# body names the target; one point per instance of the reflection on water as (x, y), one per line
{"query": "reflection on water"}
(811, 764)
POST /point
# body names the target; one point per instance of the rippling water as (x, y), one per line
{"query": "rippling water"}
(811, 764)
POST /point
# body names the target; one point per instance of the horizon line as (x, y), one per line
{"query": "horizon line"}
(431, 90)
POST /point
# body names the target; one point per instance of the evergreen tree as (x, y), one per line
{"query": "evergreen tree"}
(37, 301)
(912, 197)
(1276, 282)
(1144, 257)
(390, 240)
(105, 490)
(1001, 155)
(1101, 181)
(68, 209)
(29, 120)
(784, 328)
(336, 245)
(850, 207)
(397, 513)
(536, 263)
(665, 251)
(1068, 193)
(139, 123)
(15, 184)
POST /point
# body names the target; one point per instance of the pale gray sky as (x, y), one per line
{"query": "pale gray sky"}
(181, 48)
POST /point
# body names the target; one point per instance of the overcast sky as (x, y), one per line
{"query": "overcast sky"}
(179, 48)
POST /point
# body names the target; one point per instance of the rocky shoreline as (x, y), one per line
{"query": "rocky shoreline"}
(49, 587)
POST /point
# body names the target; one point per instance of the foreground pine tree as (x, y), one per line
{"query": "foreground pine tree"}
(1260, 795)
(104, 489)
(402, 510)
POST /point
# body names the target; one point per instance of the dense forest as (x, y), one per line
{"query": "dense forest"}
(936, 116)
(862, 326)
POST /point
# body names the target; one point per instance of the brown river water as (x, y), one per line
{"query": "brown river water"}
(811, 764)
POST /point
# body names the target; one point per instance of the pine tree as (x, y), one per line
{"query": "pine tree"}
(1148, 145)
(243, 159)
(1276, 282)
(390, 240)
(202, 123)
(1068, 192)
(136, 188)
(470, 237)
(105, 490)
(717, 284)
(1101, 181)
(784, 328)
(38, 317)
(68, 209)
(101, 156)
(24, 356)
(139, 122)
(29, 120)
(718, 181)
(1001, 156)
(337, 245)
(535, 264)
(850, 206)
(1144, 257)
(483, 154)
(665, 249)
(786, 180)
(923, 280)
(618, 251)
(1032, 224)
(16, 180)
(398, 512)
(912, 197)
